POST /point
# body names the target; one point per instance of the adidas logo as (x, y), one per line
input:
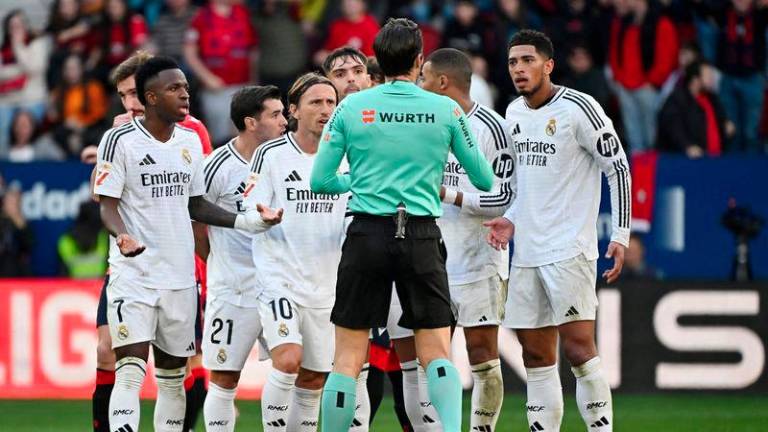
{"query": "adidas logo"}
(355, 423)
(536, 426)
(147, 160)
(602, 422)
(191, 346)
(427, 419)
(293, 176)
(483, 428)
(125, 428)
(571, 312)
(483, 319)
(277, 423)
(240, 189)
(516, 130)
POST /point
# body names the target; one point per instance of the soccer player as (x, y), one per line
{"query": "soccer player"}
(562, 140)
(376, 130)
(296, 261)
(123, 77)
(232, 322)
(347, 69)
(477, 274)
(149, 177)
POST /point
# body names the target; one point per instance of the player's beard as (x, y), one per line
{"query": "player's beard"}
(533, 91)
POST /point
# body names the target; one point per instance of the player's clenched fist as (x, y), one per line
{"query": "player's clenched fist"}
(501, 232)
(129, 246)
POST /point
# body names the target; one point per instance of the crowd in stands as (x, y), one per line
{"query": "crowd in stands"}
(684, 76)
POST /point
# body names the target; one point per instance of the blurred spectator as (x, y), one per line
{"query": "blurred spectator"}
(511, 17)
(576, 24)
(23, 62)
(741, 58)
(77, 106)
(465, 31)
(356, 28)
(15, 235)
(220, 48)
(643, 52)
(120, 32)
(71, 32)
(83, 249)
(283, 54)
(692, 120)
(26, 143)
(479, 89)
(149, 9)
(689, 53)
(171, 27)
(635, 266)
(585, 77)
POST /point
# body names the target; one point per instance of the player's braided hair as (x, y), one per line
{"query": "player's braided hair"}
(297, 90)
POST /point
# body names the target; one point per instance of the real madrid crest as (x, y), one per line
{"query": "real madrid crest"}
(551, 127)
(186, 156)
(122, 332)
(282, 330)
(221, 357)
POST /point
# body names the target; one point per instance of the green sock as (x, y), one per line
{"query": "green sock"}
(444, 387)
(337, 407)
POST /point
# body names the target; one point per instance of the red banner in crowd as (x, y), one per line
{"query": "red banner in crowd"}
(48, 342)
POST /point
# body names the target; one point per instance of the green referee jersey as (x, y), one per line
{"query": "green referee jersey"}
(396, 138)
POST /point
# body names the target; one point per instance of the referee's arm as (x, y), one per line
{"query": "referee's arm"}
(464, 146)
(325, 177)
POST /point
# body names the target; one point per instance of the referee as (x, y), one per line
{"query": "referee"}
(396, 138)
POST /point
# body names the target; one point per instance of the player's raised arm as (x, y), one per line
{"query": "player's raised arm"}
(325, 176)
(598, 137)
(464, 146)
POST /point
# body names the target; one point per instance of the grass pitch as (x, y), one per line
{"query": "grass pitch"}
(647, 413)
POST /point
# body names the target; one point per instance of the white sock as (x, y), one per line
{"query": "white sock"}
(487, 395)
(305, 410)
(124, 410)
(428, 411)
(545, 399)
(593, 395)
(171, 400)
(363, 406)
(274, 400)
(219, 409)
(411, 394)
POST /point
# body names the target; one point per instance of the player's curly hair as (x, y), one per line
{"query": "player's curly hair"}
(341, 53)
(150, 69)
(539, 40)
(127, 68)
(299, 87)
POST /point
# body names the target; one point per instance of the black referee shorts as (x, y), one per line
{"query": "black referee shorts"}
(372, 259)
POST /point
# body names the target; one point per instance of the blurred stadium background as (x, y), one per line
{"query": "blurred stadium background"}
(683, 334)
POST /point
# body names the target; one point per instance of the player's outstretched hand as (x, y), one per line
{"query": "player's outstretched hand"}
(129, 246)
(615, 251)
(269, 215)
(501, 232)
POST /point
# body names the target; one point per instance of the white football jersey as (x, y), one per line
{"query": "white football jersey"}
(469, 257)
(299, 257)
(560, 150)
(231, 274)
(154, 181)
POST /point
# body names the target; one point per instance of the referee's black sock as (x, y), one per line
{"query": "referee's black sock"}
(105, 380)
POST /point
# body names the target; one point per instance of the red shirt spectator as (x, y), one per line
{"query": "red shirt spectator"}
(123, 38)
(224, 42)
(356, 28)
(642, 53)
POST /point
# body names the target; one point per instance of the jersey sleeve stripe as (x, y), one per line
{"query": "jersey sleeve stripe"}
(495, 126)
(212, 172)
(109, 142)
(258, 160)
(587, 108)
(621, 173)
(502, 199)
(113, 144)
(211, 161)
